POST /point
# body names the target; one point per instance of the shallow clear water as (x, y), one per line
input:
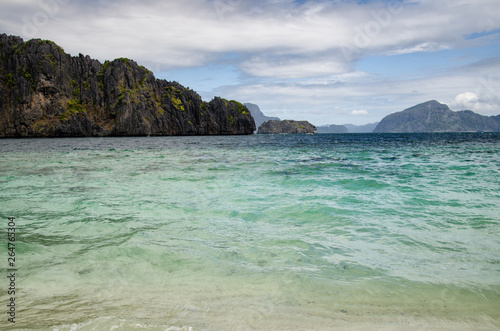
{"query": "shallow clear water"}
(265, 232)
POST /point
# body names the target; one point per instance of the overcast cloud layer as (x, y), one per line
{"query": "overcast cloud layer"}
(329, 62)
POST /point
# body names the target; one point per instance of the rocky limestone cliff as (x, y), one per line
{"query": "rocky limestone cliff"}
(45, 92)
(286, 126)
(432, 116)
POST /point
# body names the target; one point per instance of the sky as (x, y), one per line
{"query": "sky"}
(324, 61)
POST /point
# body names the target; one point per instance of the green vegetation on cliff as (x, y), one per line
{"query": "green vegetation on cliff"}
(45, 92)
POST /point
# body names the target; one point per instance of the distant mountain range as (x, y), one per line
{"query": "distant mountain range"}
(260, 118)
(332, 128)
(367, 128)
(432, 116)
(347, 128)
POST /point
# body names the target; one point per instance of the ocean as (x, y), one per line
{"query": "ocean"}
(262, 232)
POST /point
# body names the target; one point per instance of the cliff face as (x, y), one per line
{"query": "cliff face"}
(433, 116)
(286, 126)
(45, 92)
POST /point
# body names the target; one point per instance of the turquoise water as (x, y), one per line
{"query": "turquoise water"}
(265, 232)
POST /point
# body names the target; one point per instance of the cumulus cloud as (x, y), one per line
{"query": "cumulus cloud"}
(195, 32)
(359, 112)
(467, 100)
(485, 104)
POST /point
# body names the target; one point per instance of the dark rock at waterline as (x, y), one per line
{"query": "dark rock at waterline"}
(286, 126)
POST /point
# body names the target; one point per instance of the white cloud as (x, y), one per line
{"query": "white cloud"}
(424, 47)
(284, 68)
(467, 100)
(359, 112)
(471, 101)
(334, 101)
(195, 32)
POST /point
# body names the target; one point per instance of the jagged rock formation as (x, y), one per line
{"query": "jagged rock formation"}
(286, 126)
(332, 128)
(45, 92)
(433, 116)
(257, 114)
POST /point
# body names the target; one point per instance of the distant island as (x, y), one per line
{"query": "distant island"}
(367, 128)
(45, 92)
(432, 116)
(286, 126)
(332, 128)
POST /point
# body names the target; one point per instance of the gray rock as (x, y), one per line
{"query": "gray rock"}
(45, 92)
(286, 126)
